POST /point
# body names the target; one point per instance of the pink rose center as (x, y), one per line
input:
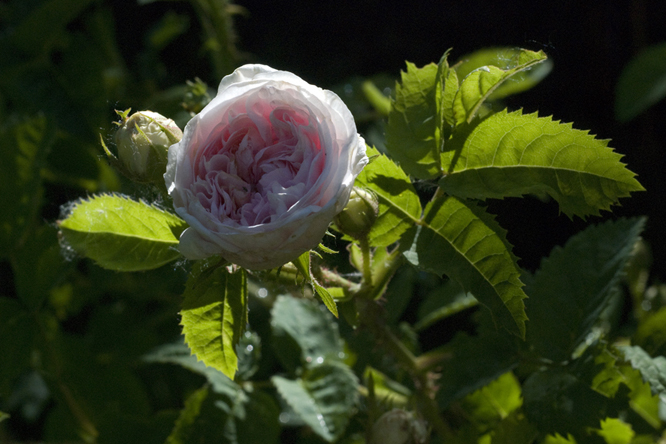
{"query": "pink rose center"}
(258, 162)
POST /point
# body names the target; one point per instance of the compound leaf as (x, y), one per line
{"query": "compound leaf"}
(122, 234)
(512, 154)
(461, 240)
(214, 315)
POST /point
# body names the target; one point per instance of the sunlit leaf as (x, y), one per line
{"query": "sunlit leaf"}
(324, 397)
(214, 315)
(642, 83)
(446, 89)
(512, 154)
(574, 284)
(122, 234)
(496, 401)
(399, 204)
(653, 370)
(461, 240)
(412, 133)
(508, 59)
(477, 86)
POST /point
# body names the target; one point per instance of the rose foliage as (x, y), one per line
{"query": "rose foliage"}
(306, 317)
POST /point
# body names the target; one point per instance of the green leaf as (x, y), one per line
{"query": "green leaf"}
(575, 283)
(653, 370)
(477, 86)
(412, 132)
(651, 333)
(307, 325)
(515, 429)
(3, 416)
(494, 402)
(461, 240)
(121, 234)
(642, 83)
(615, 431)
(324, 397)
(399, 205)
(245, 417)
(556, 401)
(304, 264)
(475, 362)
(512, 154)
(446, 90)
(508, 59)
(214, 315)
(24, 146)
(388, 392)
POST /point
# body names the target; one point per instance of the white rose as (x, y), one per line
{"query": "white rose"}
(262, 170)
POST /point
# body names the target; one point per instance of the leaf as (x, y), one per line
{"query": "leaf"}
(24, 146)
(412, 132)
(309, 327)
(246, 417)
(575, 283)
(121, 234)
(3, 416)
(399, 205)
(461, 240)
(556, 401)
(446, 90)
(477, 86)
(507, 59)
(512, 154)
(387, 392)
(494, 402)
(324, 398)
(475, 362)
(642, 83)
(303, 264)
(214, 315)
(653, 370)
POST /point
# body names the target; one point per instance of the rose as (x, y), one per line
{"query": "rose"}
(262, 170)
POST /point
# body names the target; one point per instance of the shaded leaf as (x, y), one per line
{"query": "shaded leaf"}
(214, 315)
(461, 240)
(24, 146)
(324, 397)
(307, 325)
(399, 204)
(18, 331)
(512, 154)
(412, 132)
(446, 300)
(122, 234)
(474, 363)
(446, 89)
(575, 283)
(642, 83)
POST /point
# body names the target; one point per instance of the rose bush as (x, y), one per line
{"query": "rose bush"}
(262, 170)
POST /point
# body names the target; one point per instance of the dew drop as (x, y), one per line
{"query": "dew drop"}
(284, 417)
(249, 348)
(262, 293)
(320, 360)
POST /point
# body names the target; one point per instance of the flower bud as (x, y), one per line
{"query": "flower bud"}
(399, 427)
(143, 142)
(359, 215)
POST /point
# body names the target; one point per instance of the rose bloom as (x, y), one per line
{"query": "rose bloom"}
(262, 170)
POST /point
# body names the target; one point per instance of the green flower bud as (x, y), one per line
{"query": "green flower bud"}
(399, 427)
(143, 142)
(359, 215)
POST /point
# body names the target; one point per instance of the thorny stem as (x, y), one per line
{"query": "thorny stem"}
(367, 258)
